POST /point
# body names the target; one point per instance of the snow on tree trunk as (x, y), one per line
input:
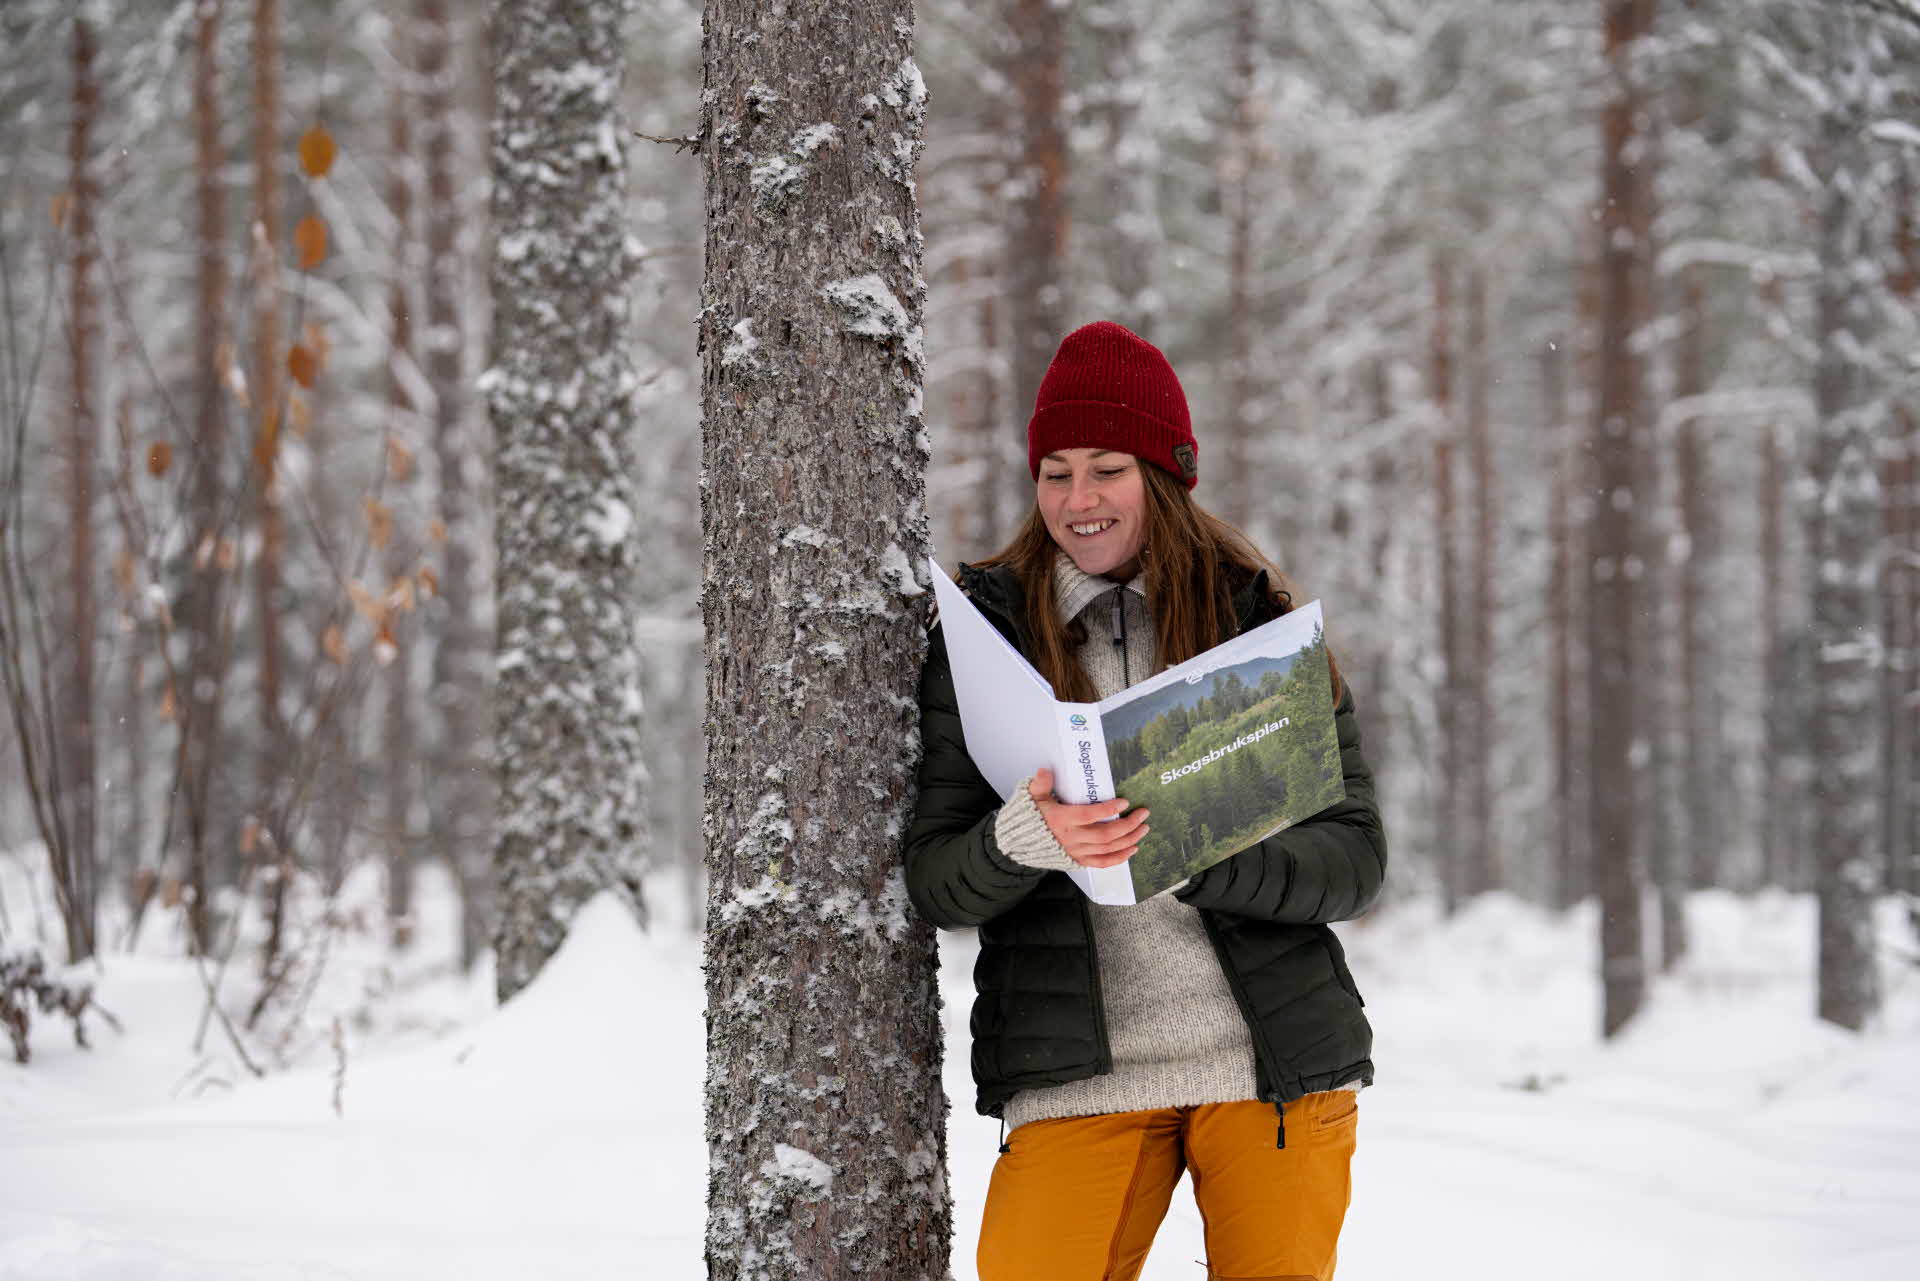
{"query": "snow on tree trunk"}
(1618, 443)
(560, 394)
(824, 1105)
(1845, 539)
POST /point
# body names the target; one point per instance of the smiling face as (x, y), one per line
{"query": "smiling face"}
(1095, 506)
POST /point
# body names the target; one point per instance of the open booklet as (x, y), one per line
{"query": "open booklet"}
(1226, 749)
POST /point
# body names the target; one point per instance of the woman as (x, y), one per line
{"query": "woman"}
(1213, 1028)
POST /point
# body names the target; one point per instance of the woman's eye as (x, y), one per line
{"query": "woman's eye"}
(1109, 473)
(1055, 476)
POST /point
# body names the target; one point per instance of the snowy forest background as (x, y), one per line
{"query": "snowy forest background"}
(1566, 350)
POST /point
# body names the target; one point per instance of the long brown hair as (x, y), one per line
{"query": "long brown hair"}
(1194, 563)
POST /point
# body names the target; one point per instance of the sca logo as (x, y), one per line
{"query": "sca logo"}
(1077, 721)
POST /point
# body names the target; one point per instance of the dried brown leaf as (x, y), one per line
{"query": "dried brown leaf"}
(379, 522)
(310, 241)
(365, 604)
(317, 151)
(303, 365)
(333, 642)
(399, 460)
(429, 581)
(159, 458)
(169, 703)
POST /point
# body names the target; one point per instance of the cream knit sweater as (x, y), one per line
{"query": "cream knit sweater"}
(1177, 1037)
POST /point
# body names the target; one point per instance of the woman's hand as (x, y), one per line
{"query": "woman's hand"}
(1092, 835)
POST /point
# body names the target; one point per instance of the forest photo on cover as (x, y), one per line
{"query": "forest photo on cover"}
(481, 787)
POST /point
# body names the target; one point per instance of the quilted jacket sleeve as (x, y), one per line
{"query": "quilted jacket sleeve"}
(1326, 868)
(956, 874)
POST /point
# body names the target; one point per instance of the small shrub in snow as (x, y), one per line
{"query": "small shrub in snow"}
(24, 981)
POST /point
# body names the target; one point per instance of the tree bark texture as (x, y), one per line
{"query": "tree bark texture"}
(1619, 442)
(560, 396)
(824, 1104)
(1848, 409)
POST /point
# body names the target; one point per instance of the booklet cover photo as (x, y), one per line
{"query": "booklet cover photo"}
(1226, 749)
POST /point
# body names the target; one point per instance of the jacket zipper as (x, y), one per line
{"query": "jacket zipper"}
(1120, 633)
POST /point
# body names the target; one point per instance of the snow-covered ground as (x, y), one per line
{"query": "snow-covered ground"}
(1727, 1135)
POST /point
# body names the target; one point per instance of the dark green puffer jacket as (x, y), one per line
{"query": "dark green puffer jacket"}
(1038, 1019)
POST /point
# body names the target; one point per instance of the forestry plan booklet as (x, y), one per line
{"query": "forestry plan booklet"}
(1226, 749)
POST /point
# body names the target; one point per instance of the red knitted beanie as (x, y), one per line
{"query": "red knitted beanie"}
(1109, 388)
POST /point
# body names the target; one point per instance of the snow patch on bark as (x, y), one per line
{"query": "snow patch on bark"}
(799, 1165)
(898, 572)
(874, 312)
(611, 525)
(741, 352)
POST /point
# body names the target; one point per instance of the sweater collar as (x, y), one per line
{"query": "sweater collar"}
(1075, 589)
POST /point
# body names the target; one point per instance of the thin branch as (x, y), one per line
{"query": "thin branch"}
(689, 143)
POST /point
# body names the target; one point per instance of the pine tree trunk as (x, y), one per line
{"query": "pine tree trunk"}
(1845, 540)
(1449, 847)
(1779, 853)
(560, 397)
(75, 881)
(1902, 600)
(1482, 866)
(1561, 881)
(1124, 237)
(268, 398)
(824, 1105)
(461, 814)
(400, 739)
(1237, 499)
(1619, 443)
(1038, 217)
(198, 705)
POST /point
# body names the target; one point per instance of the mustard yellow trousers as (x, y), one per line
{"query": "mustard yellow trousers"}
(1079, 1198)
